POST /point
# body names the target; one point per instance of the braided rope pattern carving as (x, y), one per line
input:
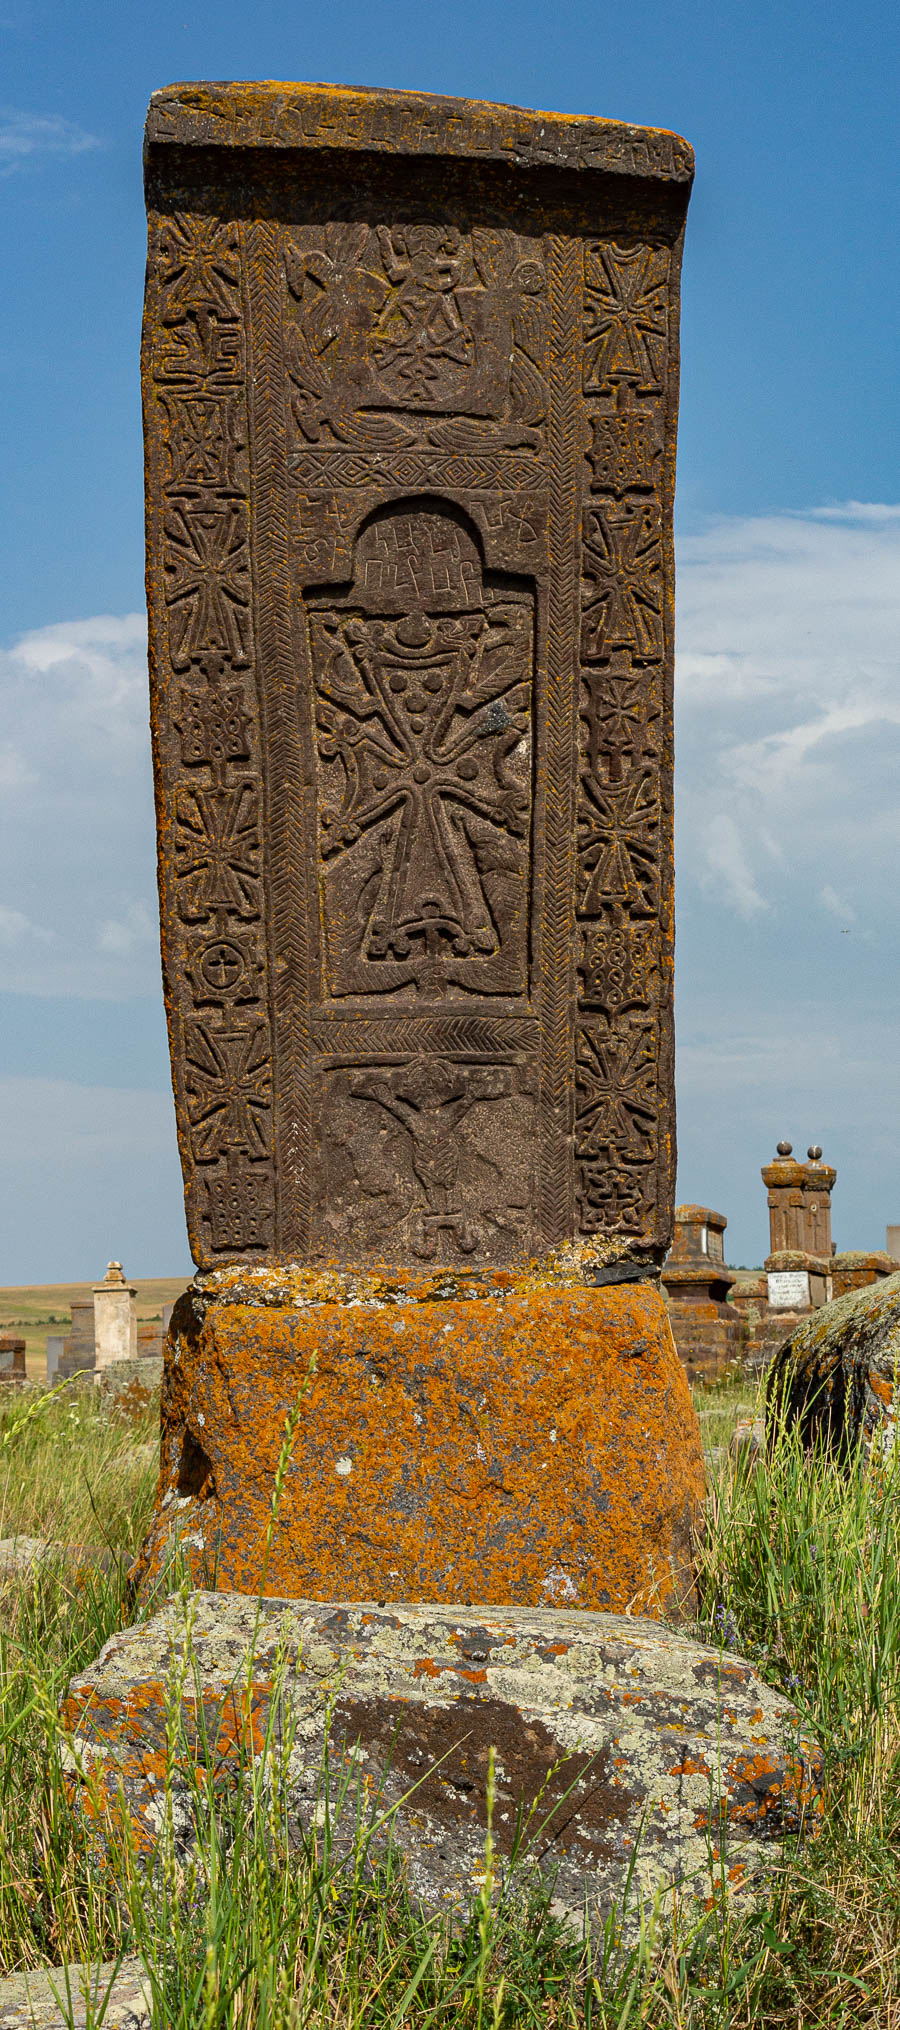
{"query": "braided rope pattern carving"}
(324, 469)
(557, 926)
(465, 1036)
(288, 826)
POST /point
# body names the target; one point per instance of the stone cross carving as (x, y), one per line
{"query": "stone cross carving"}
(410, 375)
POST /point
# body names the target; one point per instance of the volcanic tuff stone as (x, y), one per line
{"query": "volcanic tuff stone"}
(527, 1436)
(78, 1998)
(609, 1733)
(837, 1374)
(410, 386)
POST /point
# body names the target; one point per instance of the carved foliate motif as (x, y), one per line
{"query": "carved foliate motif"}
(410, 437)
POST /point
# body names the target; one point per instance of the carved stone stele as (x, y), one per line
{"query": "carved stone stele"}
(410, 385)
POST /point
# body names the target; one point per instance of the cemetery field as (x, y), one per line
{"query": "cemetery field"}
(798, 1571)
(32, 1310)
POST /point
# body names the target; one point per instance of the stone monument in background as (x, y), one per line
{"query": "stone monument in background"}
(410, 382)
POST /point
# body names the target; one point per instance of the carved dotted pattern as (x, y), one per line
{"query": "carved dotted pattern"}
(203, 654)
(622, 1180)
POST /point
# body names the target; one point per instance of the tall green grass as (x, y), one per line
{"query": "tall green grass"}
(266, 1926)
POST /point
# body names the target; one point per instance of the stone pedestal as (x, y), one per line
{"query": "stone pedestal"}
(115, 1319)
(706, 1328)
(498, 1436)
(78, 1353)
(12, 1358)
(854, 1270)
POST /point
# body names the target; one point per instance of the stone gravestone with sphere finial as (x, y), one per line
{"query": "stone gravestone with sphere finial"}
(410, 384)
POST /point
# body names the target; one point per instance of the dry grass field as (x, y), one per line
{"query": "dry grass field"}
(32, 1310)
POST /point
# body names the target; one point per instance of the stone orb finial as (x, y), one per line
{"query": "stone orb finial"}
(114, 1273)
(814, 1152)
(785, 1148)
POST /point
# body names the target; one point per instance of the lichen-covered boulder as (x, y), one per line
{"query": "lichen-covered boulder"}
(618, 1742)
(117, 1994)
(836, 1376)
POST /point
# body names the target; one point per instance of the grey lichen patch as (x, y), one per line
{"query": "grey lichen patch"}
(295, 1285)
(610, 1734)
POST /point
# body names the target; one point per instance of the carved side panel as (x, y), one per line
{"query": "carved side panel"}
(207, 734)
(623, 875)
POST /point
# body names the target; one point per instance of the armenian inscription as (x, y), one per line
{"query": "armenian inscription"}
(410, 450)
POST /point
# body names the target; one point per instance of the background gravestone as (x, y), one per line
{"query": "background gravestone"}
(410, 373)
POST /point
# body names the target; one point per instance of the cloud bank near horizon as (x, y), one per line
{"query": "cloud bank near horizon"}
(787, 839)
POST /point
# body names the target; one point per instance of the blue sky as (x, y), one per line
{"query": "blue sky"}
(788, 734)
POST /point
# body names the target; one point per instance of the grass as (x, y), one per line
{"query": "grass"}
(798, 1570)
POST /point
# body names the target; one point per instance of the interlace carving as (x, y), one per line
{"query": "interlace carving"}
(623, 1178)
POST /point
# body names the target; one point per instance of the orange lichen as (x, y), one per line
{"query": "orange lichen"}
(539, 1447)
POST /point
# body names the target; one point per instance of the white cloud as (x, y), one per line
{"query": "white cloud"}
(26, 135)
(788, 689)
(837, 904)
(125, 934)
(788, 860)
(727, 867)
(78, 848)
(82, 1123)
(14, 927)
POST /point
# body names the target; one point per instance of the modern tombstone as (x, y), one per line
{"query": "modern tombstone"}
(410, 374)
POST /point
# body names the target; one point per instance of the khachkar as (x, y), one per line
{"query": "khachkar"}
(410, 372)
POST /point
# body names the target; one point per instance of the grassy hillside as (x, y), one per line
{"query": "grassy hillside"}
(32, 1310)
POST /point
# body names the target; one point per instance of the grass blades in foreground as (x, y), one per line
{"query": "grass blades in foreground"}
(799, 1570)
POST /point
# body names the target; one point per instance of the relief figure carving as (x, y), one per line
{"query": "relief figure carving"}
(433, 1154)
(423, 679)
(415, 333)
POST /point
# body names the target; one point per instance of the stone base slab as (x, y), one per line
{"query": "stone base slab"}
(78, 1997)
(610, 1734)
(516, 1438)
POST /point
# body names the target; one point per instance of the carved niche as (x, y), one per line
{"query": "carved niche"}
(423, 678)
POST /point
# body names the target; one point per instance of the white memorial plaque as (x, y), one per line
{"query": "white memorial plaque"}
(788, 1289)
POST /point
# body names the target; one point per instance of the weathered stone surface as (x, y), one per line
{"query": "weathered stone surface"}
(410, 468)
(528, 1438)
(73, 1997)
(707, 1330)
(12, 1358)
(608, 1731)
(19, 1555)
(836, 1376)
(799, 1196)
(115, 1318)
(131, 1388)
